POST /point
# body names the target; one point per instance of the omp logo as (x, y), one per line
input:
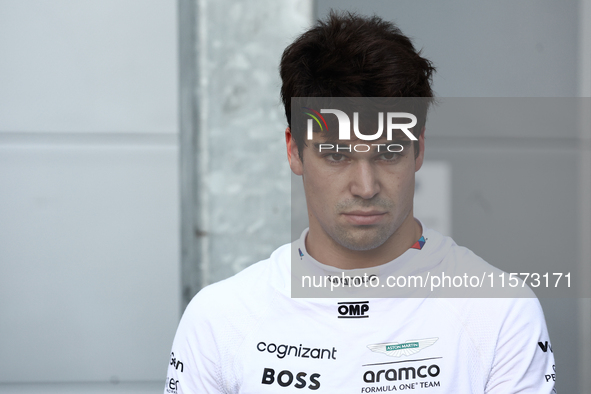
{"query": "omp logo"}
(286, 378)
(395, 349)
(545, 346)
(353, 310)
(345, 124)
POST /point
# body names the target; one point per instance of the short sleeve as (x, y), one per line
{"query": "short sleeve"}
(194, 365)
(524, 359)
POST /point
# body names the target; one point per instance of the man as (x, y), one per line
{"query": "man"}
(247, 334)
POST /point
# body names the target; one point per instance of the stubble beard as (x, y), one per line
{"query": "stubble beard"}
(364, 237)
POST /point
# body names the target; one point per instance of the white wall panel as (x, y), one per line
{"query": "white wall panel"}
(89, 204)
(89, 263)
(92, 65)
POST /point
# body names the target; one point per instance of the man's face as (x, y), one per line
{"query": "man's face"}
(358, 199)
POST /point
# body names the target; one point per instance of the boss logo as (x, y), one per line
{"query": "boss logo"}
(353, 310)
(286, 378)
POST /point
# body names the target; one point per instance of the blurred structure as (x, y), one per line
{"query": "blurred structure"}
(234, 175)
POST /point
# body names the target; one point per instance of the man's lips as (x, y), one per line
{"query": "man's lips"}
(362, 217)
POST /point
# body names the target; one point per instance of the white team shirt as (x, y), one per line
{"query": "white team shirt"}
(246, 334)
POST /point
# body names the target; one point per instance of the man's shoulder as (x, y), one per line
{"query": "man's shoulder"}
(249, 288)
(461, 269)
(490, 304)
(458, 257)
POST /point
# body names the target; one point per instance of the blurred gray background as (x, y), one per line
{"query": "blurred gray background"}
(141, 157)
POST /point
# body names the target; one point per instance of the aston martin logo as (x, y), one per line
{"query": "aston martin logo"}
(395, 349)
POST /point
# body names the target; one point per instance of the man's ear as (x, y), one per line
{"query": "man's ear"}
(421, 153)
(293, 156)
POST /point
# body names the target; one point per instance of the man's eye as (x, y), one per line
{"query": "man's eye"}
(388, 156)
(336, 157)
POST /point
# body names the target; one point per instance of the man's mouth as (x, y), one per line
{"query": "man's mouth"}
(364, 217)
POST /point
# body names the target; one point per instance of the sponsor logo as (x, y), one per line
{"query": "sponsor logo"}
(353, 310)
(545, 346)
(395, 349)
(551, 376)
(419, 244)
(402, 386)
(176, 363)
(304, 352)
(287, 378)
(402, 373)
(171, 385)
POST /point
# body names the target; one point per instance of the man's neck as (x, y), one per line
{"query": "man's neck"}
(325, 250)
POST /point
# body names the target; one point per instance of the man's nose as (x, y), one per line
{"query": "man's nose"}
(364, 180)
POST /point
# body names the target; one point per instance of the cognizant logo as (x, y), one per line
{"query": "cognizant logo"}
(345, 129)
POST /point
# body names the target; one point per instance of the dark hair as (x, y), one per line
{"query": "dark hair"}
(348, 55)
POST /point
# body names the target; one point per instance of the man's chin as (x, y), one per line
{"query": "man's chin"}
(361, 239)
